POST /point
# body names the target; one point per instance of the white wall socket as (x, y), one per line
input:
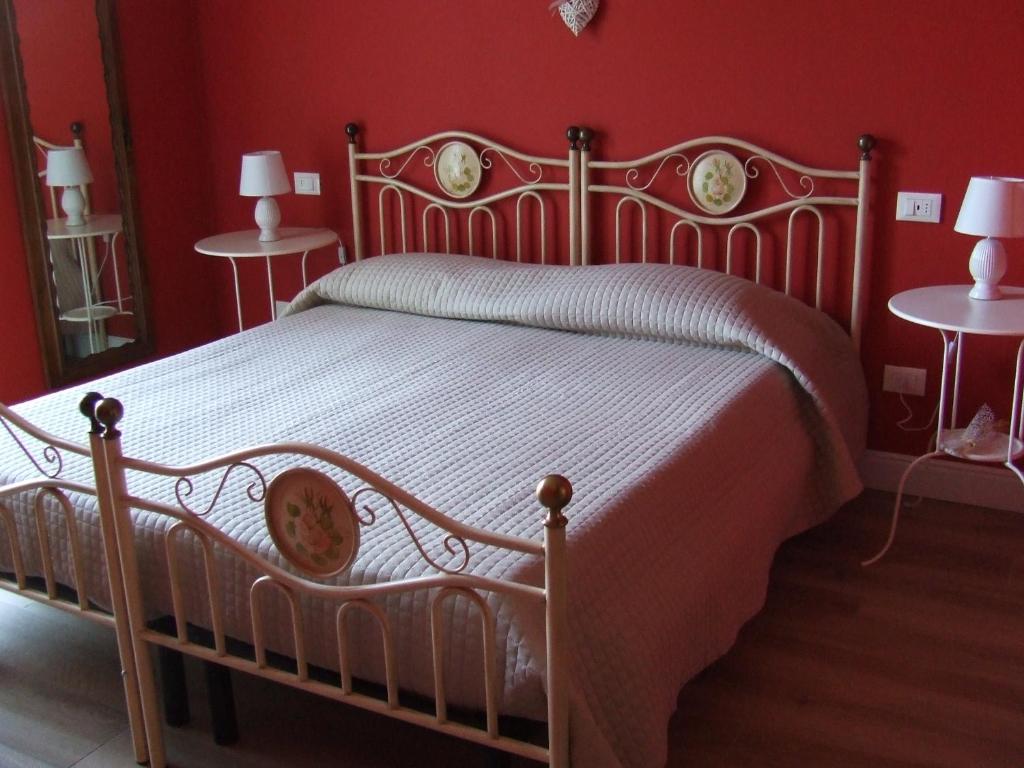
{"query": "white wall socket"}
(307, 183)
(908, 381)
(919, 206)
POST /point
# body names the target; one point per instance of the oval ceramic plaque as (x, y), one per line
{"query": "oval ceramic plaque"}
(717, 182)
(457, 169)
(312, 522)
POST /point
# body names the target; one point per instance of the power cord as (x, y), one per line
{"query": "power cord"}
(903, 424)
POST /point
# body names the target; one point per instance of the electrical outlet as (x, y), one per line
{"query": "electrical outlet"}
(307, 183)
(908, 381)
(919, 206)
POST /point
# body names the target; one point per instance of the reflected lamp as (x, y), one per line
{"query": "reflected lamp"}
(67, 167)
(993, 207)
(263, 176)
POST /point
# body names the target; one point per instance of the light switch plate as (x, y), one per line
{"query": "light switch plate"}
(919, 206)
(307, 183)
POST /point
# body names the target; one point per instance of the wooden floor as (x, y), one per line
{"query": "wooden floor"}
(917, 661)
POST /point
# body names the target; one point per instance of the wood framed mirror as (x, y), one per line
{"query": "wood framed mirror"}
(61, 79)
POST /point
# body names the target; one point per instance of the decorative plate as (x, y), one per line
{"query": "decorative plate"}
(312, 522)
(717, 182)
(457, 169)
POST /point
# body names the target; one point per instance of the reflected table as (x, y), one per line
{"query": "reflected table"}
(94, 309)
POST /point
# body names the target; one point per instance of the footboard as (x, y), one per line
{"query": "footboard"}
(38, 522)
(318, 506)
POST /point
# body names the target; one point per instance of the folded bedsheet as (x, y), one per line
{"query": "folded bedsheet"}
(700, 418)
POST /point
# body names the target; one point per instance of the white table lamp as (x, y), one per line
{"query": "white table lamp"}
(993, 207)
(263, 175)
(67, 167)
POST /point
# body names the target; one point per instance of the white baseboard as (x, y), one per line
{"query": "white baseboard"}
(979, 484)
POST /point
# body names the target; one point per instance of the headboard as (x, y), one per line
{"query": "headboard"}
(490, 199)
(735, 194)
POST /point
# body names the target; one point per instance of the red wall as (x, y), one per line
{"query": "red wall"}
(936, 82)
(162, 80)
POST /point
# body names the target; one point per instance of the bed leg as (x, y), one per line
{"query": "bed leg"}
(175, 688)
(222, 703)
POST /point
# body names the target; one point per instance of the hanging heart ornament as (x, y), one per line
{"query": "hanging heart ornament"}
(577, 13)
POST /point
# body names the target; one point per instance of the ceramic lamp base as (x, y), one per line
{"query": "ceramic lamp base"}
(73, 203)
(988, 265)
(268, 216)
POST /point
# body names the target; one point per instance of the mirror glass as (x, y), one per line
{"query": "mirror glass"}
(77, 197)
(63, 70)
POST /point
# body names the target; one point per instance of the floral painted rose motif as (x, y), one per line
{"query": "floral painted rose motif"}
(311, 533)
(312, 521)
(717, 182)
(718, 187)
(313, 528)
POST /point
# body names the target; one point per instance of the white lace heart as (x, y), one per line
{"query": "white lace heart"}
(577, 14)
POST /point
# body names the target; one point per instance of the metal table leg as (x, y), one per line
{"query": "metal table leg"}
(270, 289)
(238, 293)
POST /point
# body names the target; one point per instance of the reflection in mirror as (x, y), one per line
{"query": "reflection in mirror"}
(62, 90)
(94, 304)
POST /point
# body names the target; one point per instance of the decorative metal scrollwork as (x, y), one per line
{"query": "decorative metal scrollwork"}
(682, 170)
(752, 172)
(428, 161)
(256, 490)
(50, 454)
(453, 545)
(534, 167)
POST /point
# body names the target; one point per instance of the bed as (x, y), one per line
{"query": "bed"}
(663, 392)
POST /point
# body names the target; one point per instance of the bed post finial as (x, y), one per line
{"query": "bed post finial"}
(586, 134)
(866, 142)
(88, 408)
(573, 135)
(352, 130)
(554, 492)
(109, 412)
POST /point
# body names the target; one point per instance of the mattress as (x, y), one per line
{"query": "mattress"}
(701, 419)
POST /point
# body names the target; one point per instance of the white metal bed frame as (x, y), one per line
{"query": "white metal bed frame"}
(627, 190)
(554, 493)
(112, 469)
(534, 174)
(49, 485)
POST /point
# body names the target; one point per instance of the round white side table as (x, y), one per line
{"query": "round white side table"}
(246, 245)
(954, 314)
